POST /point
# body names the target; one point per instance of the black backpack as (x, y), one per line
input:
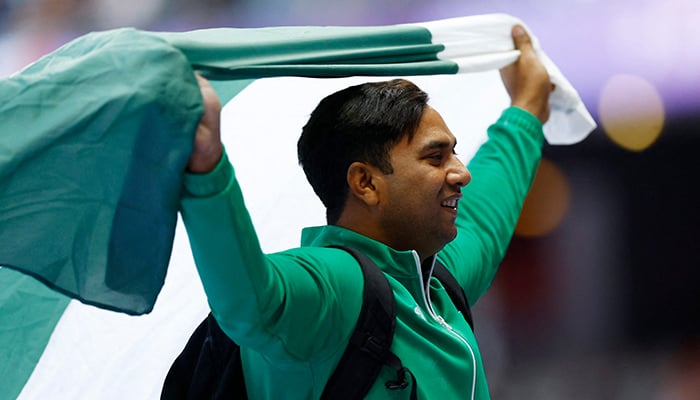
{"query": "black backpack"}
(209, 367)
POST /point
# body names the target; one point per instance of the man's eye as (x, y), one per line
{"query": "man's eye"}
(436, 158)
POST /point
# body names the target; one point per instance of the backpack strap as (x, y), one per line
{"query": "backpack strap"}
(369, 347)
(454, 290)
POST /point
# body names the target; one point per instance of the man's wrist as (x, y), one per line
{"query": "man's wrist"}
(205, 161)
(537, 109)
(211, 182)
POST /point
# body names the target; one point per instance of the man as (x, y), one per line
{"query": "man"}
(384, 164)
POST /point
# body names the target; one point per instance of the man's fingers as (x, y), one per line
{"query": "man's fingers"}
(520, 37)
(207, 145)
(522, 41)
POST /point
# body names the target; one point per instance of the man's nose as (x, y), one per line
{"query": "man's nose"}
(458, 174)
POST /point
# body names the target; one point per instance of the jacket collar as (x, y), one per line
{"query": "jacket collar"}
(393, 262)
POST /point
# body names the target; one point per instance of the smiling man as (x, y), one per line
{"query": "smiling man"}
(384, 164)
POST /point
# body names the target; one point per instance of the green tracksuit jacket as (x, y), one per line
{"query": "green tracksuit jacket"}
(293, 311)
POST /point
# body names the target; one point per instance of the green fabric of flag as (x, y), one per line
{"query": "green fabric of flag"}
(311, 51)
(94, 139)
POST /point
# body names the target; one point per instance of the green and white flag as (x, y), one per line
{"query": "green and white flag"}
(94, 139)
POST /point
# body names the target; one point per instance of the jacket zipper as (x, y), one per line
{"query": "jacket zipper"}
(440, 320)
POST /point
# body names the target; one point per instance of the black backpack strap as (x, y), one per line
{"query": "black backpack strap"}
(454, 290)
(369, 347)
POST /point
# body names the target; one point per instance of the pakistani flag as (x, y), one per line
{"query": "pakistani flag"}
(94, 139)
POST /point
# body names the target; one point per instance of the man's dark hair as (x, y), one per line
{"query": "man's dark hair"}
(359, 123)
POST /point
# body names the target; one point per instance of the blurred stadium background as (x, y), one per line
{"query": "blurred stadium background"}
(598, 295)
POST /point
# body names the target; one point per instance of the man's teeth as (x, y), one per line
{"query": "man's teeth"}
(450, 203)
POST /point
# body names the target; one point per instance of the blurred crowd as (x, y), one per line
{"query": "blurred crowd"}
(32, 28)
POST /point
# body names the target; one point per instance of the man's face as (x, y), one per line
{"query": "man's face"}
(419, 200)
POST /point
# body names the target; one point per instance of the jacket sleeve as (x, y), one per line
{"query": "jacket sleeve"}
(502, 172)
(278, 304)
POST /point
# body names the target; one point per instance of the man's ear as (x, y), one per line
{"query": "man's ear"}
(363, 182)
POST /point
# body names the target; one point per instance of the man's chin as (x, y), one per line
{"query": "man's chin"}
(452, 233)
(448, 237)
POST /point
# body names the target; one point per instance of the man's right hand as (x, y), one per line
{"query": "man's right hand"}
(526, 80)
